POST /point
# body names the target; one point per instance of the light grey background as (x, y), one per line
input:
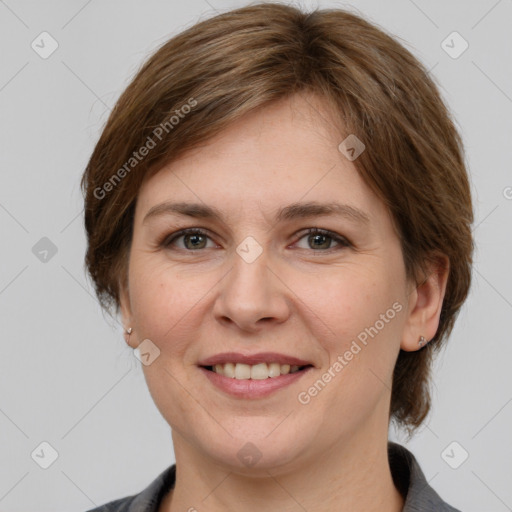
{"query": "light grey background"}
(66, 374)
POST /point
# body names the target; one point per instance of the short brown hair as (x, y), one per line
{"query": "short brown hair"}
(244, 59)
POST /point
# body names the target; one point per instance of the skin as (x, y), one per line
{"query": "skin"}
(295, 298)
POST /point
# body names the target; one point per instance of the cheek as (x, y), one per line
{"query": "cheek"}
(159, 302)
(362, 314)
(168, 304)
(355, 300)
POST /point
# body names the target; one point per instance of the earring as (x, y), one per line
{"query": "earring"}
(422, 341)
(128, 331)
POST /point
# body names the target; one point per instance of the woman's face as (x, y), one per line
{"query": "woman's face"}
(255, 281)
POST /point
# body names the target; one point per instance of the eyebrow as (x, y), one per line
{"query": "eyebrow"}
(286, 213)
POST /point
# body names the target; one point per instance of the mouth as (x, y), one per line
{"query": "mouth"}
(260, 371)
(251, 382)
(253, 376)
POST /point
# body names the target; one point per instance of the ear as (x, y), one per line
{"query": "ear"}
(425, 304)
(126, 314)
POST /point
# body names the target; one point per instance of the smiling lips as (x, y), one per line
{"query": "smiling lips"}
(253, 376)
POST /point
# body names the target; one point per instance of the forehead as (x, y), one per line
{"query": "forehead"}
(277, 155)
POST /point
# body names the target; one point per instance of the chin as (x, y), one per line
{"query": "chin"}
(262, 447)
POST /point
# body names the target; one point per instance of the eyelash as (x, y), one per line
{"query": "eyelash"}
(342, 241)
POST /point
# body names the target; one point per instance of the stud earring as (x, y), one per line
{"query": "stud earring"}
(127, 334)
(422, 341)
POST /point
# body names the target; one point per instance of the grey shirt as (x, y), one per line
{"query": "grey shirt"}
(407, 475)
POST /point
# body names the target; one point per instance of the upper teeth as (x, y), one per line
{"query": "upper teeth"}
(257, 371)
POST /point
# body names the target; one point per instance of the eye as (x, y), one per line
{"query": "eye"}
(193, 239)
(321, 239)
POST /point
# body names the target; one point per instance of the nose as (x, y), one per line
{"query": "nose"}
(252, 295)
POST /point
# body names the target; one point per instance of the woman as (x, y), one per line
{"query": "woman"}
(279, 209)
